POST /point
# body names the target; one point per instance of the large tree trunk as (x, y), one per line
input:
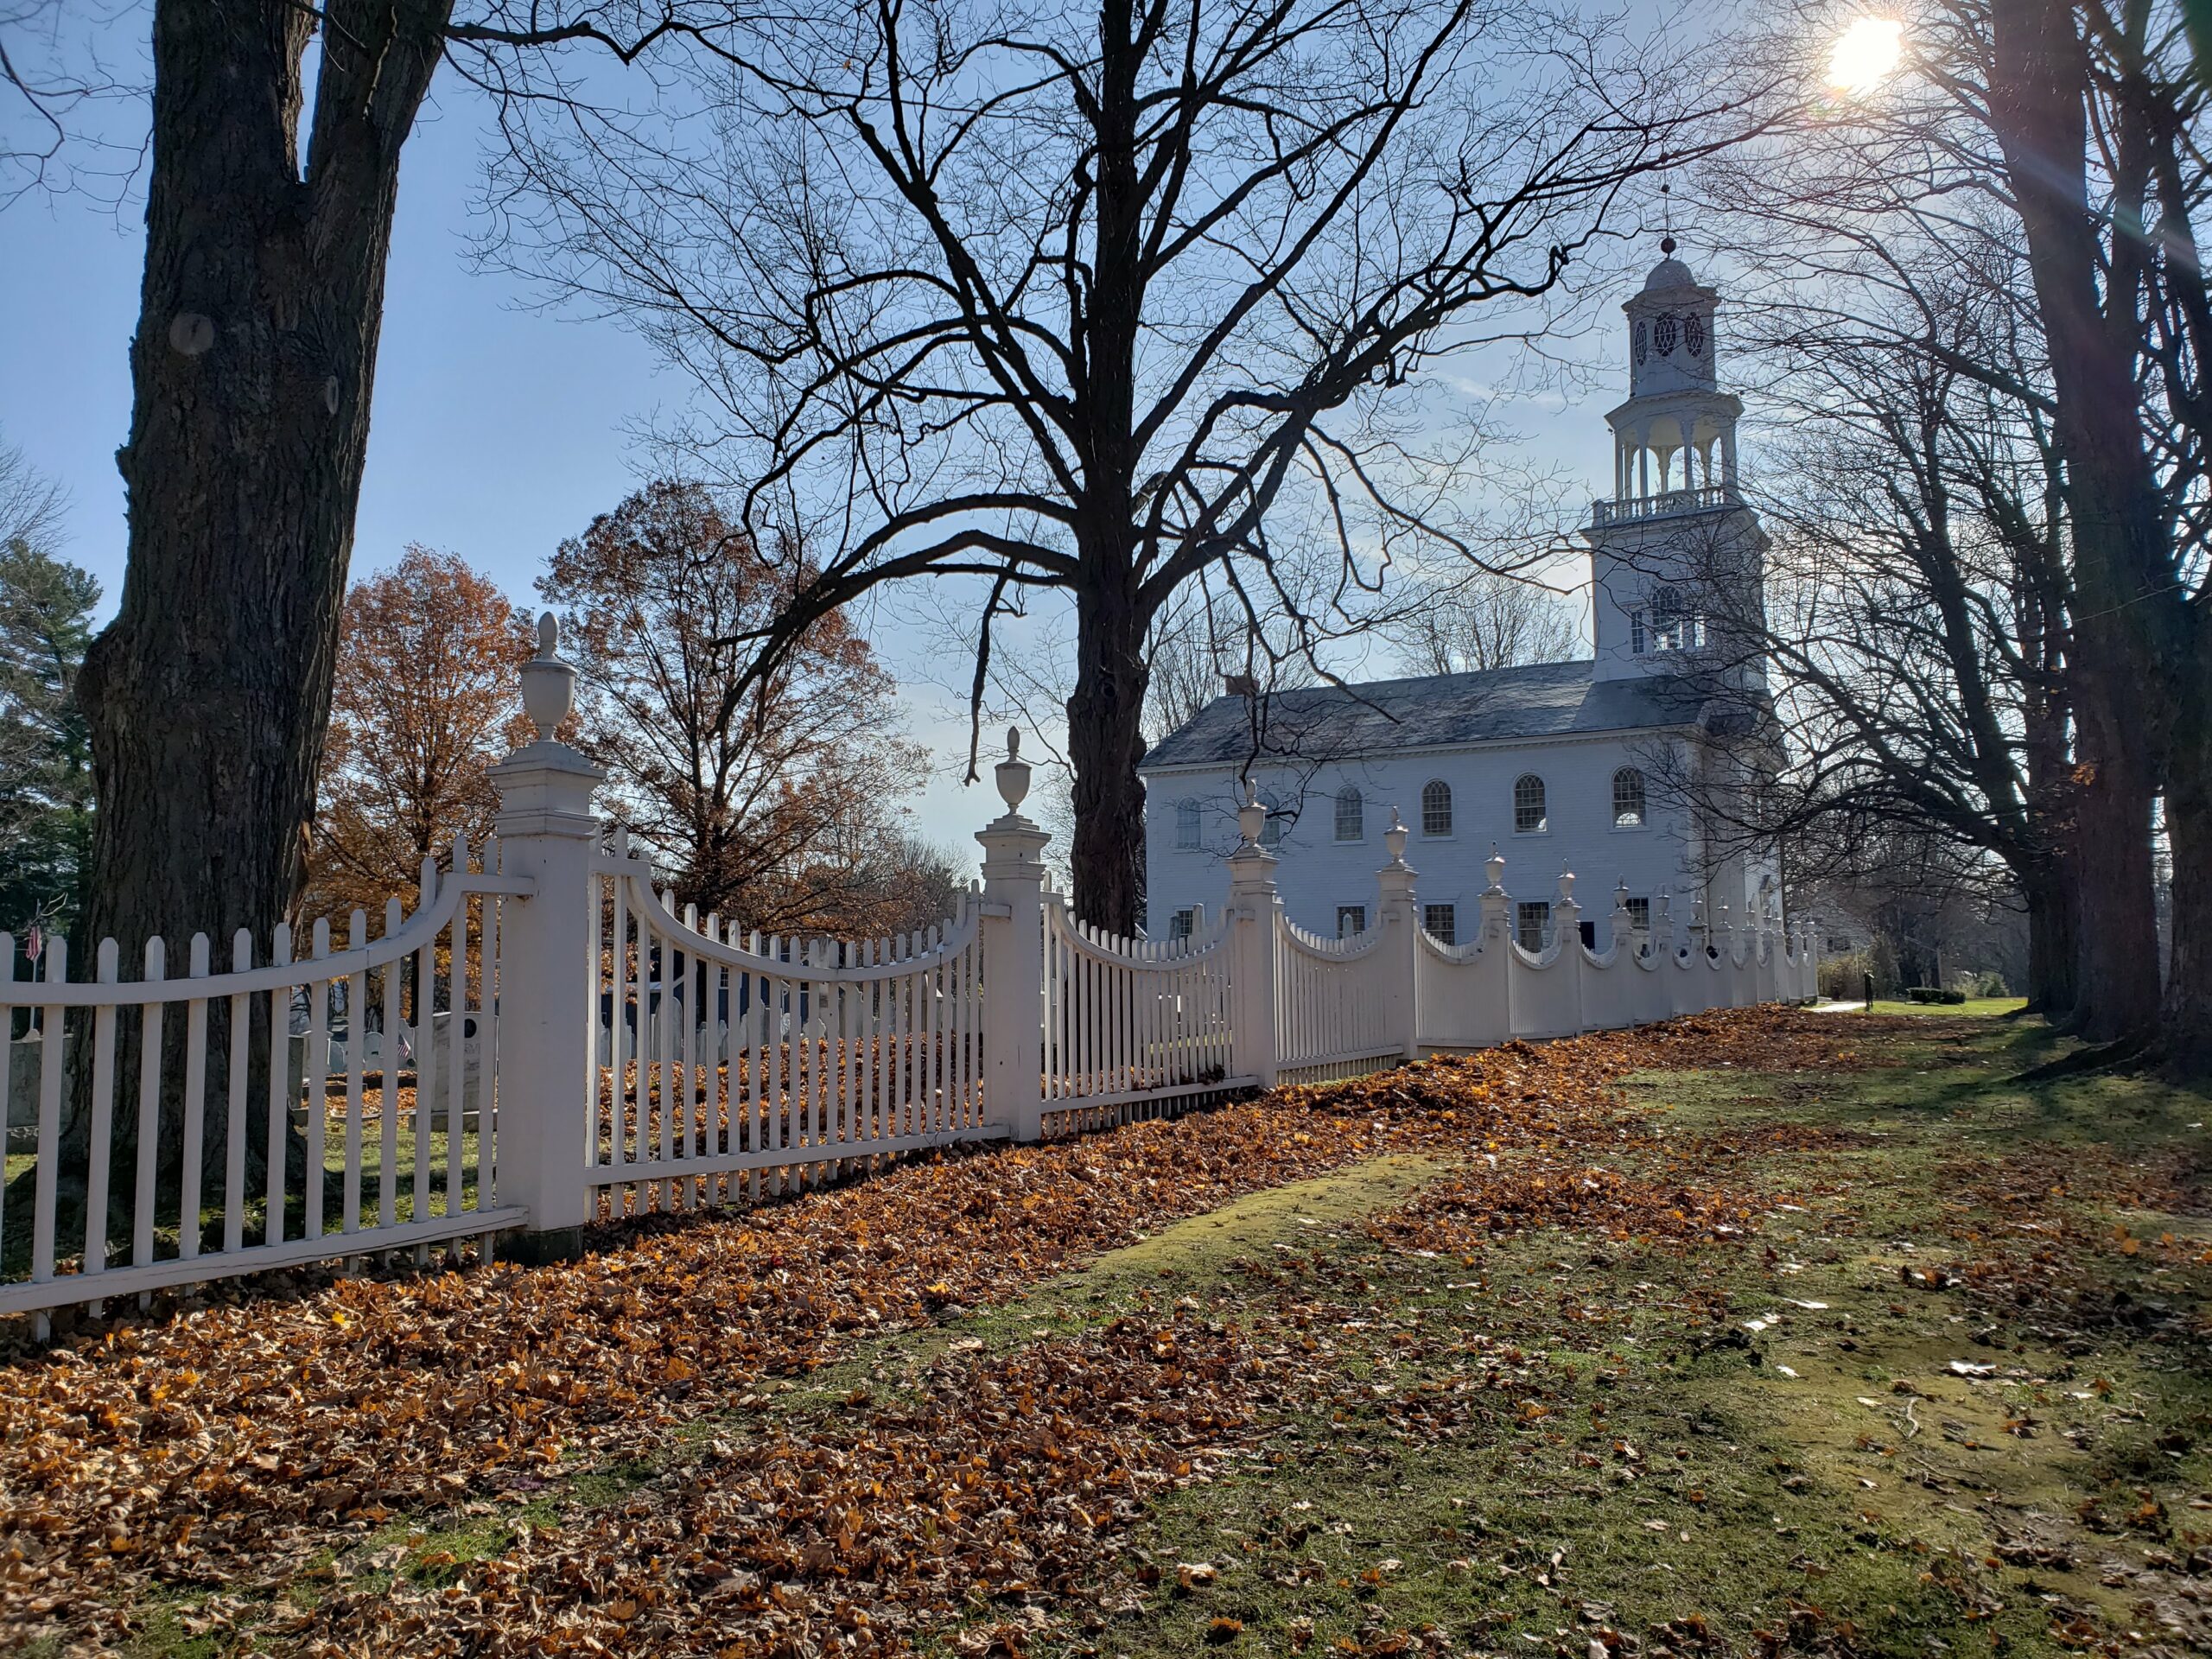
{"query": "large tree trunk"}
(2117, 992)
(2187, 1036)
(2122, 556)
(1106, 744)
(2054, 936)
(250, 370)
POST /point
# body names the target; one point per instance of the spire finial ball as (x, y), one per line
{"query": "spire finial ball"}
(1666, 245)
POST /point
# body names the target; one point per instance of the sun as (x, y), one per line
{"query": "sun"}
(1866, 53)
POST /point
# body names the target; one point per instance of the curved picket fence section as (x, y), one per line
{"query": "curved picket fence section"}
(1133, 1028)
(731, 1068)
(549, 1042)
(1333, 1004)
(1459, 995)
(307, 1107)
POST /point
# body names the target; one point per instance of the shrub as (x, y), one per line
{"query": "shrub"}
(1932, 994)
(1988, 982)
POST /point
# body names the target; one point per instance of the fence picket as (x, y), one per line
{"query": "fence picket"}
(237, 1039)
(149, 1108)
(103, 1131)
(316, 1071)
(357, 1040)
(195, 1108)
(388, 1092)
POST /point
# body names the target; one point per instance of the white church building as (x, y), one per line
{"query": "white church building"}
(1572, 766)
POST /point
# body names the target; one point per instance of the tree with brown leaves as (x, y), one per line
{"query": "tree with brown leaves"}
(425, 700)
(771, 800)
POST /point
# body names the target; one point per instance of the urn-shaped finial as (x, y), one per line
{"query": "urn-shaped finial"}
(1252, 817)
(1394, 838)
(549, 683)
(1494, 869)
(1013, 772)
(1566, 885)
(1620, 897)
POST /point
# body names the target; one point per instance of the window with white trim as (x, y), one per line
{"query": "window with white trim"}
(1677, 624)
(1351, 919)
(1436, 808)
(1351, 814)
(1532, 920)
(1271, 830)
(1628, 799)
(1183, 922)
(1639, 914)
(1441, 923)
(1530, 817)
(1187, 836)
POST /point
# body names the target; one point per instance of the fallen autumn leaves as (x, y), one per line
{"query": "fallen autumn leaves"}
(236, 1446)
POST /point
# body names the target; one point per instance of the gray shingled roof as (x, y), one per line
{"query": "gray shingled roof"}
(1544, 700)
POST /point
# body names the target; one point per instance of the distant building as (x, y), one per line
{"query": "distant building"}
(1590, 766)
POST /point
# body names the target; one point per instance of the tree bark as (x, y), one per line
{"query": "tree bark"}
(2186, 1025)
(2122, 558)
(1106, 744)
(251, 372)
(2054, 936)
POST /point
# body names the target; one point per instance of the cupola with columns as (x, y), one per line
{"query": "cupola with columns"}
(1674, 526)
(1676, 433)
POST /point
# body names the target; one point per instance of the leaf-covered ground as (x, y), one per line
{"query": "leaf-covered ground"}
(1755, 1331)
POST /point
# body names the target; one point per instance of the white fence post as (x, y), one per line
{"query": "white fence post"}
(1013, 934)
(1497, 907)
(549, 982)
(1252, 921)
(1400, 937)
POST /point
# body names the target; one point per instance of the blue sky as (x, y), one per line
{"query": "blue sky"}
(498, 428)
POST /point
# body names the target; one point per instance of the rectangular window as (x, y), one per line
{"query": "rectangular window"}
(1441, 922)
(1533, 919)
(1186, 825)
(1351, 919)
(1183, 923)
(1639, 912)
(1638, 641)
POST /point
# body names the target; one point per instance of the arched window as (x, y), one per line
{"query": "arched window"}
(1628, 799)
(1530, 817)
(1351, 813)
(1186, 825)
(1436, 808)
(1271, 831)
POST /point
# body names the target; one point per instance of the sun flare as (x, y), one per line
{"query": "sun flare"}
(1866, 53)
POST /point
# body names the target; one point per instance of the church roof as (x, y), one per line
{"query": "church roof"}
(1438, 711)
(1670, 272)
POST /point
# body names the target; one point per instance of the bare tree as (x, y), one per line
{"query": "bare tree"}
(1096, 300)
(2098, 110)
(31, 504)
(1480, 619)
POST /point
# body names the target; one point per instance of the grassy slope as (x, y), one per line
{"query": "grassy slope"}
(1682, 1487)
(1552, 1437)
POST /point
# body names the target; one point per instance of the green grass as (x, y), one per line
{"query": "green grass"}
(1975, 1008)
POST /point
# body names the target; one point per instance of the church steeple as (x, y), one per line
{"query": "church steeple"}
(1677, 430)
(1675, 552)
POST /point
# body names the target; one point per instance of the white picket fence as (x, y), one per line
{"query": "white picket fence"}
(737, 1068)
(405, 1155)
(547, 1043)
